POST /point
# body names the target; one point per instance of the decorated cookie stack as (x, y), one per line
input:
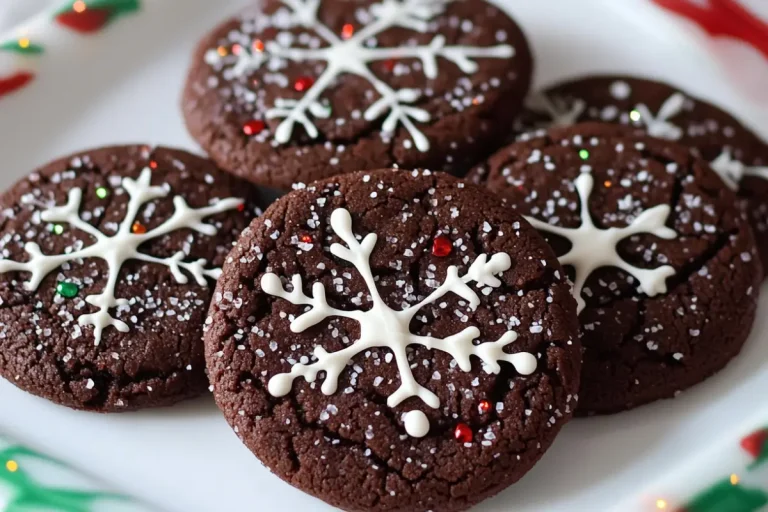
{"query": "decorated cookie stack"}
(382, 336)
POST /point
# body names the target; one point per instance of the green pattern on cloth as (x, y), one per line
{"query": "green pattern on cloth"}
(727, 497)
(15, 47)
(114, 7)
(27, 495)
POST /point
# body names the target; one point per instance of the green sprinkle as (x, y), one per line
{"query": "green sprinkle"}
(57, 229)
(583, 154)
(635, 115)
(68, 290)
(102, 192)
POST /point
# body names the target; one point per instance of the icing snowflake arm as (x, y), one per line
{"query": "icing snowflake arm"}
(39, 265)
(320, 309)
(70, 214)
(659, 125)
(357, 253)
(104, 301)
(305, 14)
(396, 101)
(399, 113)
(482, 271)
(296, 111)
(176, 264)
(757, 172)
(410, 14)
(460, 55)
(332, 364)
(651, 221)
(192, 218)
(652, 281)
(733, 171)
(461, 347)
(559, 111)
(550, 228)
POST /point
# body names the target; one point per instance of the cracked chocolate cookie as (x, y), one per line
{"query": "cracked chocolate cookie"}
(394, 340)
(733, 150)
(107, 264)
(302, 90)
(664, 264)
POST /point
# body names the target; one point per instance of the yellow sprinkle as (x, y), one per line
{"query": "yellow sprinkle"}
(12, 466)
(24, 42)
(634, 115)
(734, 479)
(222, 51)
(661, 504)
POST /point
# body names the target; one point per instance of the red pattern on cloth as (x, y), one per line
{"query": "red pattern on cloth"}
(723, 18)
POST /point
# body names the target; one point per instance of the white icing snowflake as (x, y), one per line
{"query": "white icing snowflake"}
(560, 111)
(733, 171)
(593, 247)
(382, 326)
(121, 247)
(352, 56)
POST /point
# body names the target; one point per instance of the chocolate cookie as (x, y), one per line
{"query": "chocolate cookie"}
(107, 260)
(734, 151)
(394, 340)
(665, 266)
(298, 91)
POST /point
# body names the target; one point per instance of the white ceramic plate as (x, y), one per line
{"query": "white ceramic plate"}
(123, 85)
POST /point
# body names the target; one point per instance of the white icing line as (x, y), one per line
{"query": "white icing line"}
(558, 110)
(733, 171)
(659, 125)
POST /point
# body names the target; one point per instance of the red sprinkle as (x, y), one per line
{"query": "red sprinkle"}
(484, 406)
(441, 246)
(303, 83)
(241, 207)
(347, 31)
(253, 127)
(463, 433)
(152, 165)
(306, 239)
(389, 64)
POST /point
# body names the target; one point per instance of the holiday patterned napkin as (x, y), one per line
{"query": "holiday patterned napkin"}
(739, 20)
(732, 476)
(22, 49)
(33, 482)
